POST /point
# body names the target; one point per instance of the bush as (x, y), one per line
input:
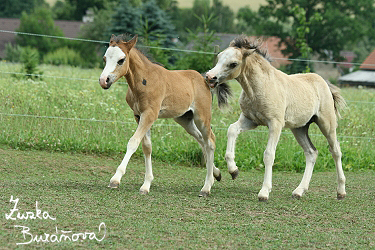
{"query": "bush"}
(13, 53)
(30, 61)
(63, 56)
(40, 21)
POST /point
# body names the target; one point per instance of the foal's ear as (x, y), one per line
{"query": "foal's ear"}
(248, 52)
(130, 44)
(112, 38)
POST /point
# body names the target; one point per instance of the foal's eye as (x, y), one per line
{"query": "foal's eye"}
(232, 65)
(121, 61)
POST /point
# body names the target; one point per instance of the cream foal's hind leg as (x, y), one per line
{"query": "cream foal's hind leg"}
(302, 137)
(234, 130)
(328, 128)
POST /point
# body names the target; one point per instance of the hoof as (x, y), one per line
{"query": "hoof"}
(263, 199)
(296, 196)
(218, 178)
(113, 185)
(234, 174)
(341, 196)
(204, 194)
(143, 191)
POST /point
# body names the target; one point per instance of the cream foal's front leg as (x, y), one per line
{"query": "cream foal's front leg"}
(268, 158)
(234, 130)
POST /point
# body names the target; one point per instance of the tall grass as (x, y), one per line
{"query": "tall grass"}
(90, 105)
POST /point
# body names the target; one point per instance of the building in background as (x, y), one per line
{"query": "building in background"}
(365, 76)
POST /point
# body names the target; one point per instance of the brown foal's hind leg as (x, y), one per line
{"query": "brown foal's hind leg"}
(188, 124)
(147, 149)
(209, 146)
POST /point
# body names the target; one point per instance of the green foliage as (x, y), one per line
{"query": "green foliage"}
(97, 30)
(30, 61)
(302, 30)
(224, 17)
(158, 23)
(63, 56)
(75, 9)
(39, 22)
(14, 8)
(13, 53)
(126, 19)
(344, 22)
(223, 22)
(147, 19)
(159, 55)
(248, 21)
(202, 40)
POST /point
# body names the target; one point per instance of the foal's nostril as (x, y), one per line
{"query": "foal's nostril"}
(107, 80)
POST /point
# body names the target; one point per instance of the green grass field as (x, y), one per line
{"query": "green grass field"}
(75, 115)
(62, 139)
(72, 189)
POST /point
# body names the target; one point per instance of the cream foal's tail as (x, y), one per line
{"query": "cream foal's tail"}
(339, 101)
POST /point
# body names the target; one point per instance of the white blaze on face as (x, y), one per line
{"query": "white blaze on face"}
(225, 59)
(112, 56)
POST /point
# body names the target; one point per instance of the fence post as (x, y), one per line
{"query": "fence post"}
(216, 51)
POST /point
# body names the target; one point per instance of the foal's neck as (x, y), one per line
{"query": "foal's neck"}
(255, 75)
(138, 68)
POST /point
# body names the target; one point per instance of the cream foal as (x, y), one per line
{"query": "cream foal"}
(274, 99)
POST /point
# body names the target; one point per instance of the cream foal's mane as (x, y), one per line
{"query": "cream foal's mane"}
(246, 42)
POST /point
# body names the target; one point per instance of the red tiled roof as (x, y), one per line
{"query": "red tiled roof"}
(369, 63)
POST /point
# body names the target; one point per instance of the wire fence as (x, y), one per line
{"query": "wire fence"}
(176, 49)
(161, 48)
(215, 127)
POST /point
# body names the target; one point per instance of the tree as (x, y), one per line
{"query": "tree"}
(202, 40)
(75, 9)
(248, 21)
(97, 30)
(343, 22)
(125, 19)
(303, 29)
(131, 20)
(39, 22)
(14, 8)
(224, 17)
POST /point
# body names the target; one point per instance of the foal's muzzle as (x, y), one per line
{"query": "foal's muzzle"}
(212, 81)
(105, 82)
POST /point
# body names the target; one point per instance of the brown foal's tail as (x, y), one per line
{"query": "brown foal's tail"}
(339, 101)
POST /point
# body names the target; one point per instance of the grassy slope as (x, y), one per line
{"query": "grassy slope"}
(84, 99)
(72, 188)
